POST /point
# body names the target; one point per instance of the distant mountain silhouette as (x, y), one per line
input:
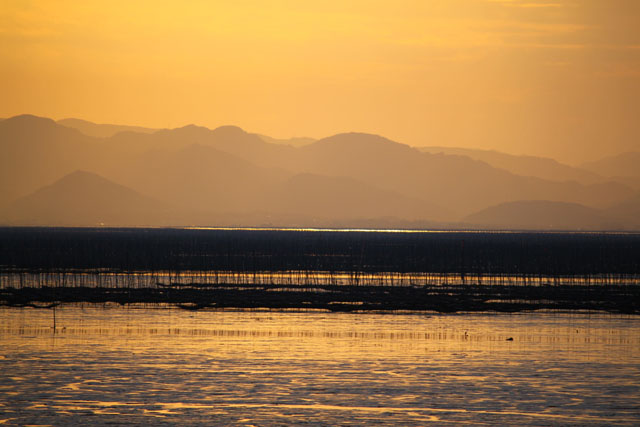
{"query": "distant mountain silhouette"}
(202, 178)
(342, 197)
(627, 211)
(101, 130)
(35, 151)
(456, 182)
(541, 215)
(229, 176)
(294, 142)
(625, 165)
(83, 198)
(230, 139)
(540, 167)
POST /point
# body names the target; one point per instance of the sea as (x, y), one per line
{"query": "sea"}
(88, 364)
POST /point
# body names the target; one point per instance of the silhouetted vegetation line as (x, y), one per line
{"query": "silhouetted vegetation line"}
(453, 271)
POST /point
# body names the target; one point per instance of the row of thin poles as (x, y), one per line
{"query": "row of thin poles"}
(306, 278)
(143, 257)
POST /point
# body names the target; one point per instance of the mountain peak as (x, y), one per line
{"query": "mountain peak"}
(27, 127)
(358, 140)
(29, 120)
(229, 131)
(101, 130)
(82, 174)
(83, 183)
(82, 198)
(192, 127)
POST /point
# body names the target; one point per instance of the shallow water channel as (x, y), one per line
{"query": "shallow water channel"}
(106, 365)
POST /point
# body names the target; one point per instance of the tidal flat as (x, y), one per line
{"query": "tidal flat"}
(106, 364)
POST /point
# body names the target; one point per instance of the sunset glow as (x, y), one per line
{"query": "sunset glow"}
(305, 212)
(558, 78)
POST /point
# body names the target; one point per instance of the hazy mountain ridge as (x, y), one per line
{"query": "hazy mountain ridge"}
(343, 197)
(101, 130)
(202, 178)
(227, 175)
(542, 214)
(86, 199)
(106, 130)
(627, 211)
(624, 167)
(35, 151)
(540, 167)
(83, 198)
(295, 141)
(461, 184)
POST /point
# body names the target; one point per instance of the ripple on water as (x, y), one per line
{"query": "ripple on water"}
(117, 365)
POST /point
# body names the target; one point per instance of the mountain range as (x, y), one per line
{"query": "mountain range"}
(74, 172)
(539, 167)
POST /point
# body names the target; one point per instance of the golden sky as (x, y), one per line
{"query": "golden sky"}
(546, 77)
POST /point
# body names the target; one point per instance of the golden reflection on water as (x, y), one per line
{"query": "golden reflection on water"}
(400, 230)
(309, 278)
(259, 367)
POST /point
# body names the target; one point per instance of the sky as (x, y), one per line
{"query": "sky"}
(557, 78)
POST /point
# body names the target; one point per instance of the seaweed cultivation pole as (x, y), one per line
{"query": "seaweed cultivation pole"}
(330, 270)
(137, 257)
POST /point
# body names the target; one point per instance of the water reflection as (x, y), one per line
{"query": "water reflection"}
(119, 365)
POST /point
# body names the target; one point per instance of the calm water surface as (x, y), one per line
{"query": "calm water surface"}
(110, 365)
